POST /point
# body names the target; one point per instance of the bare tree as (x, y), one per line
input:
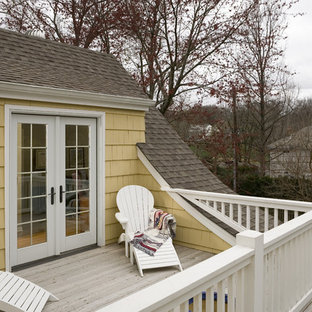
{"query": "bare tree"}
(259, 61)
(84, 23)
(178, 44)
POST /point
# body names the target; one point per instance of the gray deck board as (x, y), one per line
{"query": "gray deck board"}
(92, 279)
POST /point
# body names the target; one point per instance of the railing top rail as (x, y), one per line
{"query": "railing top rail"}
(181, 285)
(285, 232)
(245, 200)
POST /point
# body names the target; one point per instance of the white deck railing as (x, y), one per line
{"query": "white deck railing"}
(262, 272)
(245, 212)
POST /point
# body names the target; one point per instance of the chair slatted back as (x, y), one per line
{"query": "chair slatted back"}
(135, 202)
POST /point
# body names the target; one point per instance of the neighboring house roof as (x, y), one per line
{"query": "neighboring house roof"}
(35, 61)
(301, 139)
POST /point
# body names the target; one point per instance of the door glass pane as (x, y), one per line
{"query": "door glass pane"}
(39, 232)
(83, 135)
(39, 159)
(83, 222)
(23, 235)
(23, 162)
(38, 135)
(23, 210)
(23, 185)
(39, 208)
(71, 180)
(71, 225)
(71, 202)
(70, 135)
(23, 135)
(77, 179)
(31, 184)
(83, 179)
(39, 184)
(83, 157)
(70, 157)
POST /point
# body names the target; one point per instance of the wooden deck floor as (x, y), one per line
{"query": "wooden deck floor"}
(90, 280)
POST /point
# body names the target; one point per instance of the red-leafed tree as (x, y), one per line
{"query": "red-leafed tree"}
(178, 44)
(84, 23)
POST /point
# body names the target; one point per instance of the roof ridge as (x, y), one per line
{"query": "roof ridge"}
(56, 43)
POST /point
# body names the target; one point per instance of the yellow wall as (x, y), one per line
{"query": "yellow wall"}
(124, 128)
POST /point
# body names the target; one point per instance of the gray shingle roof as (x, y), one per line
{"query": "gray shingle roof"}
(35, 61)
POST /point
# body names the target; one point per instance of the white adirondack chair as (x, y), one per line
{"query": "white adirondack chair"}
(135, 203)
(18, 294)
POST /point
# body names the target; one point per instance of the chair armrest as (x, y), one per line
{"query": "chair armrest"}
(121, 219)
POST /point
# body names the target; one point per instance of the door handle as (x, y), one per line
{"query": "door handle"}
(61, 193)
(52, 195)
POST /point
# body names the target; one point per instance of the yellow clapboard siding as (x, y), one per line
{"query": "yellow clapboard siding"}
(2, 198)
(2, 218)
(110, 200)
(110, 216)
(1, 136)
(1, 156)
(1, 115)
(1, 177)
(2, 259)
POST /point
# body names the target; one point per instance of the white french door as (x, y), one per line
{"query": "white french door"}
(52, 185)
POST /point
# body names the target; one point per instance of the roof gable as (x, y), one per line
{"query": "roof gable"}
(40, 62)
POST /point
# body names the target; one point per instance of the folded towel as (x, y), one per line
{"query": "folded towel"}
(162, 225)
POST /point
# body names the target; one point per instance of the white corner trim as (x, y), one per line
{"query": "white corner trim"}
(18, 91)
(230, 239)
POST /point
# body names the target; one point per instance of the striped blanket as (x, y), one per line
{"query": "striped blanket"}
(161, 226)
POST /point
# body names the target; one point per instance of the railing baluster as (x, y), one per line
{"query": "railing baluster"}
(220, 297)
(231, 293)
(248, 217)
(210, 300)
(285, 215)
(215, 205)
(296, 214)
(275, 217)
(184, 307)
(231, 211)
(266, 219)
(223, 208)
(197, 304)
(257, 219)
(239, 206)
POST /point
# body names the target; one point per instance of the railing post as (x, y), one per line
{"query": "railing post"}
(253, 239)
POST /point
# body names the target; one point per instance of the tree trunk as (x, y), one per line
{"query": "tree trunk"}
(234, 140)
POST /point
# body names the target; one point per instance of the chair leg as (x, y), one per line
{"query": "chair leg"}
(121, 238)
(127, 248)
(131, 254)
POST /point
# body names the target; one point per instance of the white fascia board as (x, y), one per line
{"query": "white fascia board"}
(210, 225)
(18, 91)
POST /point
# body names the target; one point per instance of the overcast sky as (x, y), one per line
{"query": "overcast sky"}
(299, 47)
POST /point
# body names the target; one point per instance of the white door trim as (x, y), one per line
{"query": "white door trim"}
(100, 196)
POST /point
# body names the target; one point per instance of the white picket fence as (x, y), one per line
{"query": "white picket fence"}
(262, 272)
(245, 212)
